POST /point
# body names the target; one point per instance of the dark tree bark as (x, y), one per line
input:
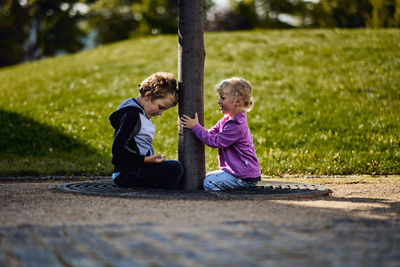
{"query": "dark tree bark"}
(190, 75)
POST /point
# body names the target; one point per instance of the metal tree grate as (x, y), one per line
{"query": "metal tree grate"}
(264, 189)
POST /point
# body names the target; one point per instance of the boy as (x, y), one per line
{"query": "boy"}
(135, 164)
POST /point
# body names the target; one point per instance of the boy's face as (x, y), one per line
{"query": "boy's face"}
(157, 106)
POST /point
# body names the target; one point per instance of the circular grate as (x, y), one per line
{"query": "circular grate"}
(264, 189)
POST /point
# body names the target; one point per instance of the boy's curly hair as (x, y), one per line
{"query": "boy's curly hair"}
(160, 84)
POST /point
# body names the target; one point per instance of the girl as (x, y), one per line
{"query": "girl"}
(239, 167)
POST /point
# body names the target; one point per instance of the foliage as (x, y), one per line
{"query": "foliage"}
(115, 20)
(356, 13)
(54, 25)
(265, 13)
(326, 101)
(59, 31)
(13, 32)
(32, 29)
(39, 28)
(250, 14)
(160, 16)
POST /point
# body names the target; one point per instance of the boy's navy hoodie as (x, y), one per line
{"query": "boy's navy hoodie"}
(133, 136)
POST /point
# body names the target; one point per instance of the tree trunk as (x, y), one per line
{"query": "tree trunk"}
(190, 75)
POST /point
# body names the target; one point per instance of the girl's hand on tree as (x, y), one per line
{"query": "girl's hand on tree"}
(188, 122)
(154, 159)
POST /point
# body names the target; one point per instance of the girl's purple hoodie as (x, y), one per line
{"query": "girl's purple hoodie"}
(236, 153)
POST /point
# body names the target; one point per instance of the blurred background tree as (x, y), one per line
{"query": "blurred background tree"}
(249, 14)
(31, 29)
(159, 16)
(13, 32)
(36, 28)
(113, 20)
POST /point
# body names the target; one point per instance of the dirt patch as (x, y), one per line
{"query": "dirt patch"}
(352, 197)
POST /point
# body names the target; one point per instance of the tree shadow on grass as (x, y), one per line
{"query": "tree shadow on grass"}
(28, 147)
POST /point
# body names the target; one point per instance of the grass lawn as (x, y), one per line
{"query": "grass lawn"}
(326, 102)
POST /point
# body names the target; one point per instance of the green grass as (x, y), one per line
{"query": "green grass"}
(326, 102)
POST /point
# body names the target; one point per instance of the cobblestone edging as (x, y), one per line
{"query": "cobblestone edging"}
(344, 242)
(264, 189)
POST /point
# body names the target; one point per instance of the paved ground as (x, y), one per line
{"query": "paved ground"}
(358, 225)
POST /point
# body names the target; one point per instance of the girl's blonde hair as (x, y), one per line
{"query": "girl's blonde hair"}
(238, 88)
(160, 84)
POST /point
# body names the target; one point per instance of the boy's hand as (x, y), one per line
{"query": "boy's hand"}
(188, 122)
(154, 159)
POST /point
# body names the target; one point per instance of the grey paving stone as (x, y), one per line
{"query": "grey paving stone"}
(187, 255)
(237, 243)
(98, 248)
(68, 252)
(131, 242)
(211, 252)
(3, 251)
(26, 249)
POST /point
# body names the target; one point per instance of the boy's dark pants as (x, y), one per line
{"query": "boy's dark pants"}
(165, 175)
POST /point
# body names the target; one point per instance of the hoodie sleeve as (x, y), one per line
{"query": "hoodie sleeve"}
(124, 133)
(230, 133)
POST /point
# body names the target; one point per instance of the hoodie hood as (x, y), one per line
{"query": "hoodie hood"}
(128, 104)
(143, 132)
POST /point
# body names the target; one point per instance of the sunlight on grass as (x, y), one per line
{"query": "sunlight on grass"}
(326, 101)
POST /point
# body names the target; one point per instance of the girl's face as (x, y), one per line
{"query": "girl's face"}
(227, 104)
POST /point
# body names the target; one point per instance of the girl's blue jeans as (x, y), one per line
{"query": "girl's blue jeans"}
(220, 180)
